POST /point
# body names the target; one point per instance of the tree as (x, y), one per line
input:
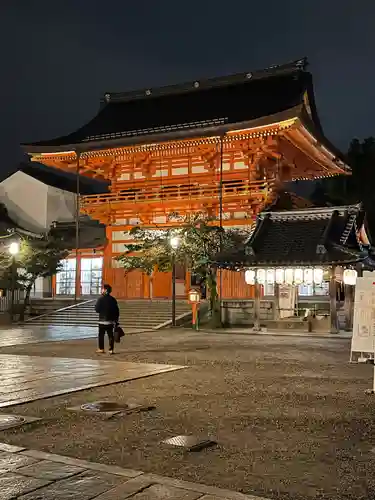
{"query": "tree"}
(358, 187)
(201, 239)
(36, 259)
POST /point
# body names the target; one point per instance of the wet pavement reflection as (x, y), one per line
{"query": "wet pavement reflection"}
(10, 336)
(28, 378)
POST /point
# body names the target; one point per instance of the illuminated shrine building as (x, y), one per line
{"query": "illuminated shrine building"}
(224, 143)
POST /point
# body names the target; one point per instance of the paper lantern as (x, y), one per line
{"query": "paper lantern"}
(289, 276)
(261, 276)
(308, 276)
(318, 276)
(270, 276)
(280, 276)
(350, 276)
(298, 276)
(250, 277)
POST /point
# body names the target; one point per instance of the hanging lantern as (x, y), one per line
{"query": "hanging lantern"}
(339, 274)
(308, 276)
(279, 276)
(318, 276)
(289, 276)
(270, 276)
(261, 276)
(350, 277)
(298, 276)
(250, 277)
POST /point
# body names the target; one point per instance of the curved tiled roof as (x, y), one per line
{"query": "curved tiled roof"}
(306, 237)
(213, 103)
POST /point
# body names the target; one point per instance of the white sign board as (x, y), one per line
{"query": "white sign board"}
(363, 339)
(287, 301)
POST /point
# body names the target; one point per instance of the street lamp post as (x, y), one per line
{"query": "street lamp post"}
(13, 250)
(174, 242)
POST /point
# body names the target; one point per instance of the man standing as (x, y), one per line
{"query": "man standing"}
(107, 308)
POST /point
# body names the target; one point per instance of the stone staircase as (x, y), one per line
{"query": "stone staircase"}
(134, 314)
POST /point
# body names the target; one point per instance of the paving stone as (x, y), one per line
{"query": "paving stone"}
(14, 485)
(190, 443)
(110, 469)
(29, 378)
(126, 490)
(163, 492)
(10, 448)
(201, 488)
(51, 471)
(85, 486)
(11, 461)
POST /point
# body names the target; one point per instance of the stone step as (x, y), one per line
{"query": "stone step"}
(137, 314)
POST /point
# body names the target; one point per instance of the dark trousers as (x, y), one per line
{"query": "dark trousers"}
(106, 329)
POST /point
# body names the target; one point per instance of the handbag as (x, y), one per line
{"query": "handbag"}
(118, 333)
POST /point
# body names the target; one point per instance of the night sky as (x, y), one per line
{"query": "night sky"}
(59, 57)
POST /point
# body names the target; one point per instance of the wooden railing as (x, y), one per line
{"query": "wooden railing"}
(188, 193)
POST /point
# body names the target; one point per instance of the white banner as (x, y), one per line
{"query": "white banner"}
(363, 339)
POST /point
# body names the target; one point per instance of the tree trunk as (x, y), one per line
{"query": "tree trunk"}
(214, 302)
(26, 302)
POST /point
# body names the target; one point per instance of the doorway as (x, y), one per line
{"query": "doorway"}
(91, 275)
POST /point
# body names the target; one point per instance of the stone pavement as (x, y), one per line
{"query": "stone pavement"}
(10, 336)
(30, 334)
(35, 475)
(28, 378)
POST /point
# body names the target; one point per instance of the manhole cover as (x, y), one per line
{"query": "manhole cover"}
(104, 406)
(9, 421)
(190, 443)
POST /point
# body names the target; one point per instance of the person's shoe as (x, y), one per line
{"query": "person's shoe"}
(110, 352)
(100, 351)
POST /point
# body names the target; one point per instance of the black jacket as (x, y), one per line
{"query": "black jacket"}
(107, 308)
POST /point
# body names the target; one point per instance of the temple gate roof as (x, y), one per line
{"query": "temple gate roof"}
(197, 109)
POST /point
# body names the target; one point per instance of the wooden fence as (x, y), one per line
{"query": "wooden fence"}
(5, 301)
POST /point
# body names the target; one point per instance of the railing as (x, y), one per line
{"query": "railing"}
(197, 193)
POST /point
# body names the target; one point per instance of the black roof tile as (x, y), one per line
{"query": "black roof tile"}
(313, 236)
(198, 105)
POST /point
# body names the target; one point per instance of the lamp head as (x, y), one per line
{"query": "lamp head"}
(174, 242)
(14, 248)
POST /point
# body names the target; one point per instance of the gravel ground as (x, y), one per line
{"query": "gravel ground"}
(289, 413)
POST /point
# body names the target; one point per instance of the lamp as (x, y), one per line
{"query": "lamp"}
(350, 277)
(308, 276)
(261, 276)
(174, 242)
(298, 276)
(318, 276)
(279, 276)
(250, 277)
(289, 276)
(270, 276)
(14, 248)
(194, 296)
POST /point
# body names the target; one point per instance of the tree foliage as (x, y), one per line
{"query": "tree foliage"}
(358, 187)
(36, 258)
(200, 240)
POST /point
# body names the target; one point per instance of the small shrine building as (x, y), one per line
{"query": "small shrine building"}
(221, 146)
(292, 252)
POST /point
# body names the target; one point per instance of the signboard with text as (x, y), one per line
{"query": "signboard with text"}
(363, 339)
